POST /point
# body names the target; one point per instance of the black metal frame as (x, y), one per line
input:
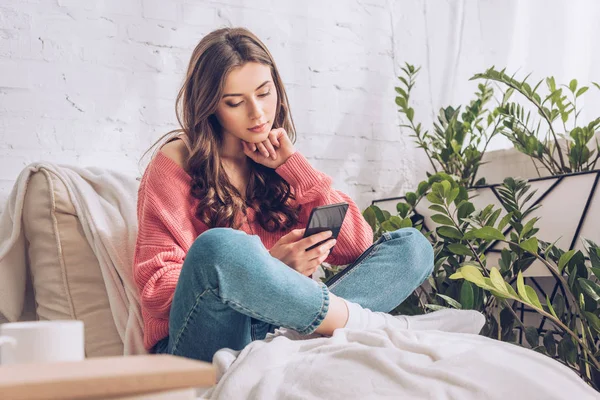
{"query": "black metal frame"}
(519, 306)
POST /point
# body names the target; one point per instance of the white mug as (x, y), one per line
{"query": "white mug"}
(41, 341)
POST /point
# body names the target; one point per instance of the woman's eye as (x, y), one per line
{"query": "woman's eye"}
(260, 95)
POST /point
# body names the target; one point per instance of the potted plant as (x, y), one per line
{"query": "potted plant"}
(564, 151)
(487, 238)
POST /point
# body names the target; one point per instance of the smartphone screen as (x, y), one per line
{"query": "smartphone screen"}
(326, 218)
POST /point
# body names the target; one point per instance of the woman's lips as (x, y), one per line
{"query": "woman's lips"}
(258, 129)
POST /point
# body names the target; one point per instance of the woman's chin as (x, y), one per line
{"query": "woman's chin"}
(256, 137)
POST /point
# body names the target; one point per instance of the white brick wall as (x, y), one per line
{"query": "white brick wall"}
(94, 82)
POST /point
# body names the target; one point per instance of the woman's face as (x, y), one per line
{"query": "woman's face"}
(249, 99)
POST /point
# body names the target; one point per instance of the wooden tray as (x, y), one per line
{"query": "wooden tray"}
(104, 377)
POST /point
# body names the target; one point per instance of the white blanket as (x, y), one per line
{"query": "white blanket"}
(393, 364)
(105, 202)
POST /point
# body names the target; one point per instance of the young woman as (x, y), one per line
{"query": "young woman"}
(220, 257)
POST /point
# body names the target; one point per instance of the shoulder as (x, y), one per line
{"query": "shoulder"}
(177, 151)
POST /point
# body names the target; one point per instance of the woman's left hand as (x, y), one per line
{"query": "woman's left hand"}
(272, 152)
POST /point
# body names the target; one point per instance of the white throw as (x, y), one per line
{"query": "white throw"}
(394, 364)
(105, 202)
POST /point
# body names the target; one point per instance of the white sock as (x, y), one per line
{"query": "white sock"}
(363, 318)
(449, 320)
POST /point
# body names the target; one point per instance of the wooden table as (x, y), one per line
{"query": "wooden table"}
(148, 376)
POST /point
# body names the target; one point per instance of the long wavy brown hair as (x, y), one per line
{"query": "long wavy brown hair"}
(219, 201)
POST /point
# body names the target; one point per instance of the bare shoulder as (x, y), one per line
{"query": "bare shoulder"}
(176, 151)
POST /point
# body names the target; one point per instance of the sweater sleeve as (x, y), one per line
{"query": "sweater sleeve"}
(312, 188)
(165, 234)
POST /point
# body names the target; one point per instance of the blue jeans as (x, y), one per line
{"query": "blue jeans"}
(231, 291)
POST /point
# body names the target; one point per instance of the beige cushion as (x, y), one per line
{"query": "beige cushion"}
(65, 274)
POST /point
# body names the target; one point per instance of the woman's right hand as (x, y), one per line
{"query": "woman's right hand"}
(291, 250)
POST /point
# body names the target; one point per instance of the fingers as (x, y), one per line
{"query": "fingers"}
(314, 239)
(311, 267)
(269, 146)
(273, 138)
(320, 253)
(265, 148)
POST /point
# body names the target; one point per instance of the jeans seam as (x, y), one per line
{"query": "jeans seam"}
(187, 320)
(355, 267)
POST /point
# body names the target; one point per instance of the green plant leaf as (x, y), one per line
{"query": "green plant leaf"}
(466, 295)
(465, 209)
(438, 208)
(442, 219)
(422, 188)
(591, 288)
(593, 320)
(401, 92)
(388, 226)
(559, 305)
(564, 260)
(457, 275)
(533, 297)
(447, 186)
(521, 287)
(460, 249)
(472, 274)
(504, 221)
(370, 217)
(411, 198)
(395, 221)
(453, 195)
(403, 209)
(451, 302)
(596, 271)
(581, 91)
(510, 290)
(449, 232)
(550, 343)
(531, 245)
(550, 308)
(435, 307)
(567, 350)
(532, 335)
(573, 85)
(488, 233)
(406, 223)
(497, 280)
(528, 227)
(434, 198)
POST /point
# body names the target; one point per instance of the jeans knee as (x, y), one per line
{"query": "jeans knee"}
(416, 250)
(222, 252)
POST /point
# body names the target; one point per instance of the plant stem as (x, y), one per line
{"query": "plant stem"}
(468, 242)
(585, 356)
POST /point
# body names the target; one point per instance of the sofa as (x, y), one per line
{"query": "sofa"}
(64, 276)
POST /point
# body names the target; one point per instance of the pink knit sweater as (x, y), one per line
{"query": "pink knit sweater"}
(168, 227)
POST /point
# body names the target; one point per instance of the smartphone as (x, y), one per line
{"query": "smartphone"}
(326, 218)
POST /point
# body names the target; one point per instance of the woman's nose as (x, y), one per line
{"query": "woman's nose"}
(256, 111)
